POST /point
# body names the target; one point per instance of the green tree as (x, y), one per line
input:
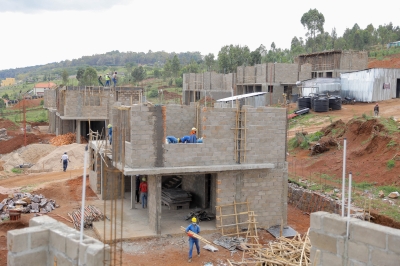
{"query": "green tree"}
(89, 76)
(79, 74)
(64, 76)
(314, 22)
(157, 73)
(5, 96)
(168, 69)
(209, 60)
(175, 66)
(179, 82)
(138, 74)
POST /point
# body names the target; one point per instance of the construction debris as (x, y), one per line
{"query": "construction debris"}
(283, 252)
(91, 214)
(26, 203)
(394, 195)
(230, 243)
(210, 248)
(176, 197)
(65, 139)
(201, 215)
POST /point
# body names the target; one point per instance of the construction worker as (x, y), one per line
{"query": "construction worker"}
(100, 80)
(110, 133)
(193, 137)
(195, 228)
(65, 160)
(376, 110)
(143, 192)
(108, 80)
(114, 78)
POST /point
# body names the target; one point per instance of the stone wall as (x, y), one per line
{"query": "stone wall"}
(367, 244)
(265, 190)
(351, 60)
(49, 242)
(195, 184)
(305, 71)
(286, 73)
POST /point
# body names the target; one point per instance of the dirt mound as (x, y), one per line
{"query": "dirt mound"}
(336, 129)
(7, 124)
(29, 154)
(392, 61)
(51, 162)
(17, 142)
(27, 103)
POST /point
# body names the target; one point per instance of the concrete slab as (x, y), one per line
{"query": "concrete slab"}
(286, 232)
(135, 222)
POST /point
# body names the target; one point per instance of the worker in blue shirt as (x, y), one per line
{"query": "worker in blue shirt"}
(195, 228)
(110, 133)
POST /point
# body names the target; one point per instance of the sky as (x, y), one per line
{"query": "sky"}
(37, 32)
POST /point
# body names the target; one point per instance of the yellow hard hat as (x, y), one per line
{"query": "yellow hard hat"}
(144, 179)
(193, 128)
(178, 140)
(194, 220)
(109, 125)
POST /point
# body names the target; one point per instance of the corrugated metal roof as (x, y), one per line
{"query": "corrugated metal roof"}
(237, 97)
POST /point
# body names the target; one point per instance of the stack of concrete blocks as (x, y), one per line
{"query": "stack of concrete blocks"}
(126, 96)
(367, 244)
(305, 71)
(49, 242)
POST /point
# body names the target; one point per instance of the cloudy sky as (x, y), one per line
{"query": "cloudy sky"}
(36, 32)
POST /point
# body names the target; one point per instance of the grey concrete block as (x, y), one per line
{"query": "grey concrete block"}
(334, 224)
(358, 251)
(330, 259)
(72, 246)
(41, 220)
(382, 257)
(18, 240)
(39, 237)
(368, 233)
(394, 241)
(95, 254)
(39, 258)
(323, 242)
(58, 239)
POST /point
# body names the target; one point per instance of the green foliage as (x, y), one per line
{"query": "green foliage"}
(89, 76)
(175, 66)
(387, 189)
(391, 143)
(390, 164)
(390, 125)
(2, 104)
(65, 76)
(209, 60)
(314, 22)
(5, 96)
(315, 136)
(138, 74)
(293, 143)
(42, 102)
(16, 170)
(179, 82)
(79, 74)
(363, 185)
(170, 82)
(153, 93)
(157, 73)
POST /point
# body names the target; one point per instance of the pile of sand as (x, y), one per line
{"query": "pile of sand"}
(30, 154)
(51, 162)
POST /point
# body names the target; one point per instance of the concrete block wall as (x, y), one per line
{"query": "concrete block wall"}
(95, 174)
(305, 71)
(52, 120)
(266, 134)
(180, 120)
(261, 71)
(354, 60)
(265, 190)
(49, 242)
(266, 126)
(79, 103)
(50, 98)
(240, 75)
(126, 96)
(249, 74)
(66, 126)
(216, 81)
(286, 73)
(195, 184)
(368, 244)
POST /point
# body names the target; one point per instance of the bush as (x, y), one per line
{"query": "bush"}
(315, 136)
(153, 93)
(179, 82)
(16, 170)
(390, 164)
(42, 102)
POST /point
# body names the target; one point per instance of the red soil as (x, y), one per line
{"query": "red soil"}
(28, 103)
(18, 141)
(392, 61)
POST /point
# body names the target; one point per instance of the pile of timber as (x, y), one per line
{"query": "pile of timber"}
(175, 196)
(92, 214)
(283, 252)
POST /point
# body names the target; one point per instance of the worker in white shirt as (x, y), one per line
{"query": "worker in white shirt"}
(65, 160)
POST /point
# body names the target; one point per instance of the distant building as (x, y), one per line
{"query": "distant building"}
(40, 87)
(393, 44)
(8, 82)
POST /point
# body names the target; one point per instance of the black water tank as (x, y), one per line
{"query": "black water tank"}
(321, 105)
(335, 103)
(313, 98)
(304, 102)
(295, 97)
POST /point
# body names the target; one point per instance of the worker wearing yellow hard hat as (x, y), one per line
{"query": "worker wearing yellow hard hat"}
(193, 228)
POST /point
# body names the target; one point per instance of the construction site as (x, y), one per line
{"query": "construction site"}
(258, 200)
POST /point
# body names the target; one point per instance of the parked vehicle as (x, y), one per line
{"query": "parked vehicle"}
(348, 100)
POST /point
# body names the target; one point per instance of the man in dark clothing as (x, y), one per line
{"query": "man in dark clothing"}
(195, 228)
(137, 188)
(376, 110)
(100, 81)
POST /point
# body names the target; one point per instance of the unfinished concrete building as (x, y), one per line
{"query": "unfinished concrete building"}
(76, 109)
(242, 158)
(211, 84)
(329, 64)
(277, 79)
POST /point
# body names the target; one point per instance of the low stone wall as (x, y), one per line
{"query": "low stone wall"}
(49, 242)
(311, 201)
(367, 244)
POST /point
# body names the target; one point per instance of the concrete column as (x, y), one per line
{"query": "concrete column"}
(133, 187)
(154, 202)
(78, 131)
